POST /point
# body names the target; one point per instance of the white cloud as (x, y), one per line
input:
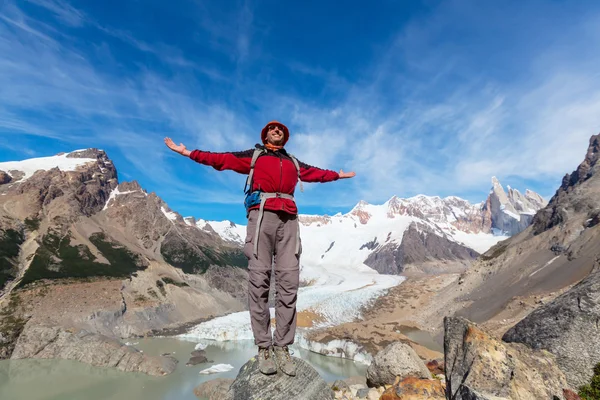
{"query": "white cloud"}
(421, 119)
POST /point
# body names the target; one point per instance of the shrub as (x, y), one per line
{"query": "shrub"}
(592, 391)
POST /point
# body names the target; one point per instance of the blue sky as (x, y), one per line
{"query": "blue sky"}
(431, 97)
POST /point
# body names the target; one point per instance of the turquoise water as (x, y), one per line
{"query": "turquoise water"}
(71, 380)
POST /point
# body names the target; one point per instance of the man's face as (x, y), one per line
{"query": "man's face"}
(275, 135)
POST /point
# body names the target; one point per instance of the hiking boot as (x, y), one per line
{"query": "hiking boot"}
(266, 362)
(284, 360)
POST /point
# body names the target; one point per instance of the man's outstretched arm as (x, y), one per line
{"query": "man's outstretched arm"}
(238, 162)
(308, 173)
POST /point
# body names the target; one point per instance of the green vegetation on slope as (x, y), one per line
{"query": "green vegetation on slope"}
(194, 261)
(56, 258)
(592, 391)
(10, 243)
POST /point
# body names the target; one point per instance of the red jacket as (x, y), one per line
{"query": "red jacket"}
(273, 172)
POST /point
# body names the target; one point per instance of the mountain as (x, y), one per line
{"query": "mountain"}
(423, 233)
(517, 275)
(117, 258)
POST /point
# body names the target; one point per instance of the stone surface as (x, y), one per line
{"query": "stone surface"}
(569, 328)
(340, 385)
(415, 389)
(397, 359)
(250, 384)
(436, 367)
(4, 178)
(214, 389)
(89, 348)
(479, 366)
(196, 360)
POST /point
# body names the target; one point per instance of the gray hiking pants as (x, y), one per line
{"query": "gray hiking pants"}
(276, 245)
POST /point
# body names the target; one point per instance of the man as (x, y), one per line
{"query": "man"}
(272, 235)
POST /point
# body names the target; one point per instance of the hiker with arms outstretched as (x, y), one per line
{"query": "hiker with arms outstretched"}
(272, 234)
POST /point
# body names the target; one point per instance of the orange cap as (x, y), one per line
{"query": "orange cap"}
(286, 132)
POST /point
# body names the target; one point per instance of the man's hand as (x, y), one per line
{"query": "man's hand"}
(177, 149)
(344, 175)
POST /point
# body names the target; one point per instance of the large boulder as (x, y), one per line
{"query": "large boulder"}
(412, 388)
(397, 359)
(569, 328)
(215, 389)
(251, 384)
(481, 367)
(90, 348)
(4, 178)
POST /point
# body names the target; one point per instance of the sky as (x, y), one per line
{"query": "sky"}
(416, 97)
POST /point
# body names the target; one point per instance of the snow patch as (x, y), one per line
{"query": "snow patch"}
(30, 166)
(215, 369)
(114, 193)
(169, 214)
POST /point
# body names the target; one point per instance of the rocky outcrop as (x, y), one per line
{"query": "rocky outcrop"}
(4, 178)
(569, 328)
(397, 359)
(419, 244)
(578, 196)
(215, 389)
(479, 366)
(412, 388)
(90, 348)
(251, 384)
(66, 195)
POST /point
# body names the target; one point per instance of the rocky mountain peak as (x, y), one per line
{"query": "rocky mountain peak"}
(578, 196)
(587, 168)
(513, 212)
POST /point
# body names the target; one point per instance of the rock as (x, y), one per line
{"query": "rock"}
(570, 395)
(362, 393)
(89, 348)
(479, 366)
(214, 389)
(196, 360)
(251, 384)
(198, 353)
(340, 385)
(4, 178)
(374, 393)
(415, 389)
(567, 327)
(397, 359)
(436, 367)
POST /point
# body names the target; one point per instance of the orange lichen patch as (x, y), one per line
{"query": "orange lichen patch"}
(415, 389)
(476, 334)
(305, 319)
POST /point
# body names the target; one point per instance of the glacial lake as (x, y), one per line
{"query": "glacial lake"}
(71, 380)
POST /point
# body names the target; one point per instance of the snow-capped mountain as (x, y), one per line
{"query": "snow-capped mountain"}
(397, 233)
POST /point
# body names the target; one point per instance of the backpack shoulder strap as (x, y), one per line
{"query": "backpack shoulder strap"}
(258, 151)
(295, 161)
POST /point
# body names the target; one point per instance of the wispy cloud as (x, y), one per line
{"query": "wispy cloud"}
(430, 114)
